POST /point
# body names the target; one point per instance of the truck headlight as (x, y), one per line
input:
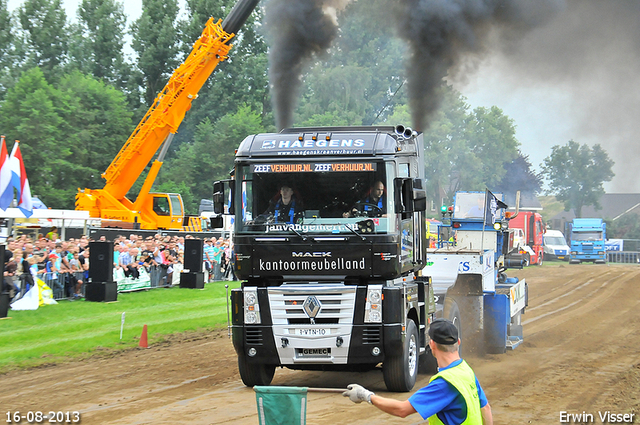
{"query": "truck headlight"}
(251, 307)
(373, 307)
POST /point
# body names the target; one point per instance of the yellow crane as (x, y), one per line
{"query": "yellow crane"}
(155, 131)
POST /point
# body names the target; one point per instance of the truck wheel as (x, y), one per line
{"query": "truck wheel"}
(255, 373)
(540, 259)
(452, 312)
(428, 364)
(400, 372)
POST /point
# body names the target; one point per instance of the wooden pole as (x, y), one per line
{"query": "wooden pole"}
(326, 390)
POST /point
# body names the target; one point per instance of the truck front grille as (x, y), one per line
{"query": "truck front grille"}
(336, 304)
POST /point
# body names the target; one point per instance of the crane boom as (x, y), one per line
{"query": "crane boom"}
(168, 109)
(157, 127)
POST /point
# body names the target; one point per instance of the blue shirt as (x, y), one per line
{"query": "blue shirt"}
(125, 259)
(441, 397)
(208, 249)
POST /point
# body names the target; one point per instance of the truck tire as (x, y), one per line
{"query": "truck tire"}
(400, 372)
(540, 258)
(255, 373)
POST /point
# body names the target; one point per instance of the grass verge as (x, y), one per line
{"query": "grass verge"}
(55, 333)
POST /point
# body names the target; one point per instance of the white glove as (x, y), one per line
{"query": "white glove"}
(358, 393)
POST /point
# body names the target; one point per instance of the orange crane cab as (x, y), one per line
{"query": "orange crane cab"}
(156, 131)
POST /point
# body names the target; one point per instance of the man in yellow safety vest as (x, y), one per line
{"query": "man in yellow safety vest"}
(452, 397)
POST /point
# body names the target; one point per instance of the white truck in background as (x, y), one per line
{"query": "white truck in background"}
(555, 245)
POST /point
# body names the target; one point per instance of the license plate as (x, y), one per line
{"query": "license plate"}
(314, 352)
(313, 332)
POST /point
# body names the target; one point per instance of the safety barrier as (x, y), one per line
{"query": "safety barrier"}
(62, 284)
(627, 257)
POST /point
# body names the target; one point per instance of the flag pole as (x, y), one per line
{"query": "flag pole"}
(484, 221)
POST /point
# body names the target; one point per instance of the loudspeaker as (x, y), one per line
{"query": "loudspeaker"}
(193, 254)
(101, 261)
(193, 280)
(101, 291)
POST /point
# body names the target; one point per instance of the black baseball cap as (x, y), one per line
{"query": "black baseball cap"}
(443, 332)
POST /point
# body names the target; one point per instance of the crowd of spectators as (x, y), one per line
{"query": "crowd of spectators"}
(65, 263)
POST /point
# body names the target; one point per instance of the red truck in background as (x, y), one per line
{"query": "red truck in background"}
(533, 229)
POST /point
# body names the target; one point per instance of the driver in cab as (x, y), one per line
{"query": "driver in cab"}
(287, 208)
(372, 205)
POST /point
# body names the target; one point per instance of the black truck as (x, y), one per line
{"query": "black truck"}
(334, 284)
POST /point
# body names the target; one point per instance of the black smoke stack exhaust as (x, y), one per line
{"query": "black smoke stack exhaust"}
(238, 15)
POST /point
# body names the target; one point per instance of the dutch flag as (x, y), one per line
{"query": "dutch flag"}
(20, 181)
(6, 188)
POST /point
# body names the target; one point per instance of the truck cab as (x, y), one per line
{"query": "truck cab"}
(533, 228)
(588, 236)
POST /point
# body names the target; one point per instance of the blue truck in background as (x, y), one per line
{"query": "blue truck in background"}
(587, 240)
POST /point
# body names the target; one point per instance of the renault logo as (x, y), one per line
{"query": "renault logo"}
(311, 306)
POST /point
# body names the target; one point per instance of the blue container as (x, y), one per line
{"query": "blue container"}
(497, 317)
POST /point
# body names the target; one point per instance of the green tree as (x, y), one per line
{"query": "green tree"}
(98, 122)
(155, 40)
(6, 33)
(210, 156)
(241, 79)
(447, 157)
(68, 134)
(519, 176)
(625, 227)
(339, 91)
(576, 174)
(493, 144)
(466, 150)
(362, 71)
(99, 39)
(29, 114)
(7, 49)
(45, 23)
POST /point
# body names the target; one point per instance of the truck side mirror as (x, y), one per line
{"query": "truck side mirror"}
(219, 198)
(410, 195)
(217, 222)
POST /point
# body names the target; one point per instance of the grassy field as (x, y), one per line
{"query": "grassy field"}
(80, 328)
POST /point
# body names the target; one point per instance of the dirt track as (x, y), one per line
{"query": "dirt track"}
(581, 353)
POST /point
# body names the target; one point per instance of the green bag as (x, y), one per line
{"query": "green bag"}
(281, 405)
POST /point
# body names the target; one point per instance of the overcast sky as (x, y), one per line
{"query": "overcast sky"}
(132, 8)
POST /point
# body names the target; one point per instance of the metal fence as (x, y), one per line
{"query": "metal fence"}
(63, 285)
(627, 257)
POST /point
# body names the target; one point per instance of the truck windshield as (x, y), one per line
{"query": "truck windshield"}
(313, 197)
(554, 240)
(470, 205)
(586, 236)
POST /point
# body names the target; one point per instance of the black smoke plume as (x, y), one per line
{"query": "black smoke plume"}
(297, 30)
(444, 36)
